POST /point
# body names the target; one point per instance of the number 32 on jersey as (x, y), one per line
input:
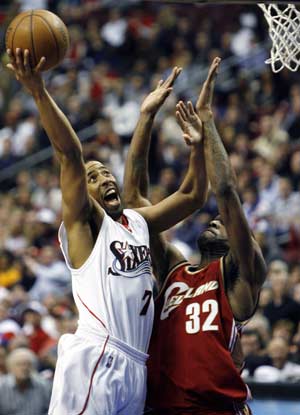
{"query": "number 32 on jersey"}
(196, 321)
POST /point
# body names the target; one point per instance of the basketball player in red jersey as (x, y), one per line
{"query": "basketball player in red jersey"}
(195, 355)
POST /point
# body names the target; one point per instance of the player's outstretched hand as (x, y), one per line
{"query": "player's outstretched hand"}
(204, 102)
(156, 98)
(189, 122)
(20, 65)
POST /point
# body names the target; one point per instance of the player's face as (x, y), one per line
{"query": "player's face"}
(214, 238)
(102, 186)
(215, 229)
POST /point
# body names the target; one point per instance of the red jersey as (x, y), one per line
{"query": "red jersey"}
(191, 367)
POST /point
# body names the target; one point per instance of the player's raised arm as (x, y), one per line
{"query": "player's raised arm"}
(245, 255)
(192, 193)
(77, 206)
(136, 176)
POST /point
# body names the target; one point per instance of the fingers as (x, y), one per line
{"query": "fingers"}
(180, 120)
(20, 64)
(19, 60)
(11, 56)
(12, 65)
(159, 84)
(172, 77)
(181, 107)
(206, 94)
(213, 70)
(27, 66)
(191, 109)
(166, 93)
(39, 67)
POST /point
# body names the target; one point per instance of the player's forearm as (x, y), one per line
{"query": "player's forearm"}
(220, 173)
(195, 181)
(136, 178)
(58, 128)
(140, 143)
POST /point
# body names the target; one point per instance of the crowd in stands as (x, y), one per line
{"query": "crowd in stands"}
(116, 56)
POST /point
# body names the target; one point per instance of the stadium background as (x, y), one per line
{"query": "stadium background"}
(119, 50)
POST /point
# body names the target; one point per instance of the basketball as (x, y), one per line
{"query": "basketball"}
(42, 33)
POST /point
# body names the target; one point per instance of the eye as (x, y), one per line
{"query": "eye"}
(92, 178)
(106, 173)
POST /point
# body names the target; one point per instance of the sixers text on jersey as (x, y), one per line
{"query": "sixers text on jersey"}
(130, 261)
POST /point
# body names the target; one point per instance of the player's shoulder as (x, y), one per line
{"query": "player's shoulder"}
(134, 217)
(180, 268)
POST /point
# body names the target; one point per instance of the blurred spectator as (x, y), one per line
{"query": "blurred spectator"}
(281, 306)
(241, 41)
(251, 342)
(283, 329)
(114, 30)
(10, 272)
(270, 136)
(292, 123)
(45, 229)
(32, 326)
(3, 353)
(260, 324)
(286, 210)
(253, 350)
(9, 328)
(279, 368)
(267, 183)
(52, 275)
(22, 391)
(295, 169)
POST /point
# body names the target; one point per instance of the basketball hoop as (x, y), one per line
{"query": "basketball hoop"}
(284, 30)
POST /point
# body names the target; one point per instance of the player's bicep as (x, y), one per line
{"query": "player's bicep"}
(76, 202)
(242, 290)
(168, 212)
(237, 228)
(136, 178)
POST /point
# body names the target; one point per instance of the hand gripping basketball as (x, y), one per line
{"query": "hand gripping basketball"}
(43, 33)
(20, 65)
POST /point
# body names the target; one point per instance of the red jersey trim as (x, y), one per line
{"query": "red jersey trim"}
(170, 272)
(91, 312)
(196, 271)
(92, 377)
(125, 222)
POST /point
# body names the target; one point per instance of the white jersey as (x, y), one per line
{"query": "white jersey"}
(113, 288)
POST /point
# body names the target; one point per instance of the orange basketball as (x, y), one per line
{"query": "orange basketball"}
(42, 33)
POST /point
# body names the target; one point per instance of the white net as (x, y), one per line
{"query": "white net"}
(284, 30)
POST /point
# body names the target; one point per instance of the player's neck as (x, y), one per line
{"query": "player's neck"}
(212, 250)
(207, 258)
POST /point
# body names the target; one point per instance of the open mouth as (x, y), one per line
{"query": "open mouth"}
(111, 197)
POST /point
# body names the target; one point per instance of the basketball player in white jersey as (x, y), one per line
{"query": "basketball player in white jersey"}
(101, 368)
